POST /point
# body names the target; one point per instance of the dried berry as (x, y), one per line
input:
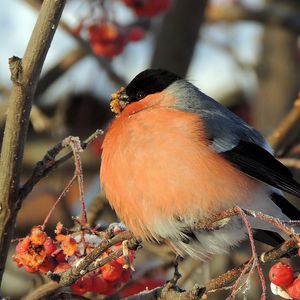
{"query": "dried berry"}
(38, 236)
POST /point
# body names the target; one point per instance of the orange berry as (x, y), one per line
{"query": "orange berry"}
(38, 236)
(69, 246)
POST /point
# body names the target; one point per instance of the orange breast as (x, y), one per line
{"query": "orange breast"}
(156, 165)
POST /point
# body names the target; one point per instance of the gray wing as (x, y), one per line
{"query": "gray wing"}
(223, 127)
(238, 142)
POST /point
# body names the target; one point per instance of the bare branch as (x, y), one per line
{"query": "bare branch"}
(236, 13)
(285, 127)
(49, 163)
(85, 265)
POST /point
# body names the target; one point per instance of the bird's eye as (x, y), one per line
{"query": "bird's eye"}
(140, 95)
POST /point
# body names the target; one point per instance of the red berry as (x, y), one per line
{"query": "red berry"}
(140, 286)
(29, 269)
(294, 289)
(82, 285)
(121, 260)
(100, 285)
(112, 287)
(107, 39)
(61, 267)
(49, 246)
(281, 274)
(103, 32)
(60, 257)
(23, 245)
(112, 271)
(126, 275)
(148, 8)
(47, 265)
(136, 34)
(109, 50)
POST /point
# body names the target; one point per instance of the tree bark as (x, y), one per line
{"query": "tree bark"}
(178, 36)
(278, 75)
(24, 74)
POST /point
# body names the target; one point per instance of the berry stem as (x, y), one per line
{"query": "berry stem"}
(58, 200)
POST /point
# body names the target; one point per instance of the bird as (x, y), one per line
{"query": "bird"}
(173, 156)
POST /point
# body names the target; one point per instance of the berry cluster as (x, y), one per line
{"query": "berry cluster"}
(283, 281)
(107, 37)
(38, 252)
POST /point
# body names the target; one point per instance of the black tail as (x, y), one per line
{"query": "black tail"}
(286, 207)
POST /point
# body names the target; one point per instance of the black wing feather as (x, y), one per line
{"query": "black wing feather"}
(268, 237)
(260, 164)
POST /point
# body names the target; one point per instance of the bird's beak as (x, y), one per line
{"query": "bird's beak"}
(118, 101)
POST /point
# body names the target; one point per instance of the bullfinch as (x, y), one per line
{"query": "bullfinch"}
(173, 156)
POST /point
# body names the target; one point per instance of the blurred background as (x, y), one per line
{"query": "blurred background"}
(243, 53)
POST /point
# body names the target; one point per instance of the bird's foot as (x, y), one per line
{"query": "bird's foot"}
(176, 275)
(128, 264)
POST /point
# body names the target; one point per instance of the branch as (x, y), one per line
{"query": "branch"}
(277, 138)
(24, 74)
(96, 208)
(49, 163)
(90, 261)
(239, 13)
(44, 291)
(63, 65)
(201, 292)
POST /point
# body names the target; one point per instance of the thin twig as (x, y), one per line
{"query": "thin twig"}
(75, 145)
(286, 125)
(254, 254)
(96, 207)
(213, 222)
(49, 163)
(221, 282)
(234, 288)
(66, 189)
